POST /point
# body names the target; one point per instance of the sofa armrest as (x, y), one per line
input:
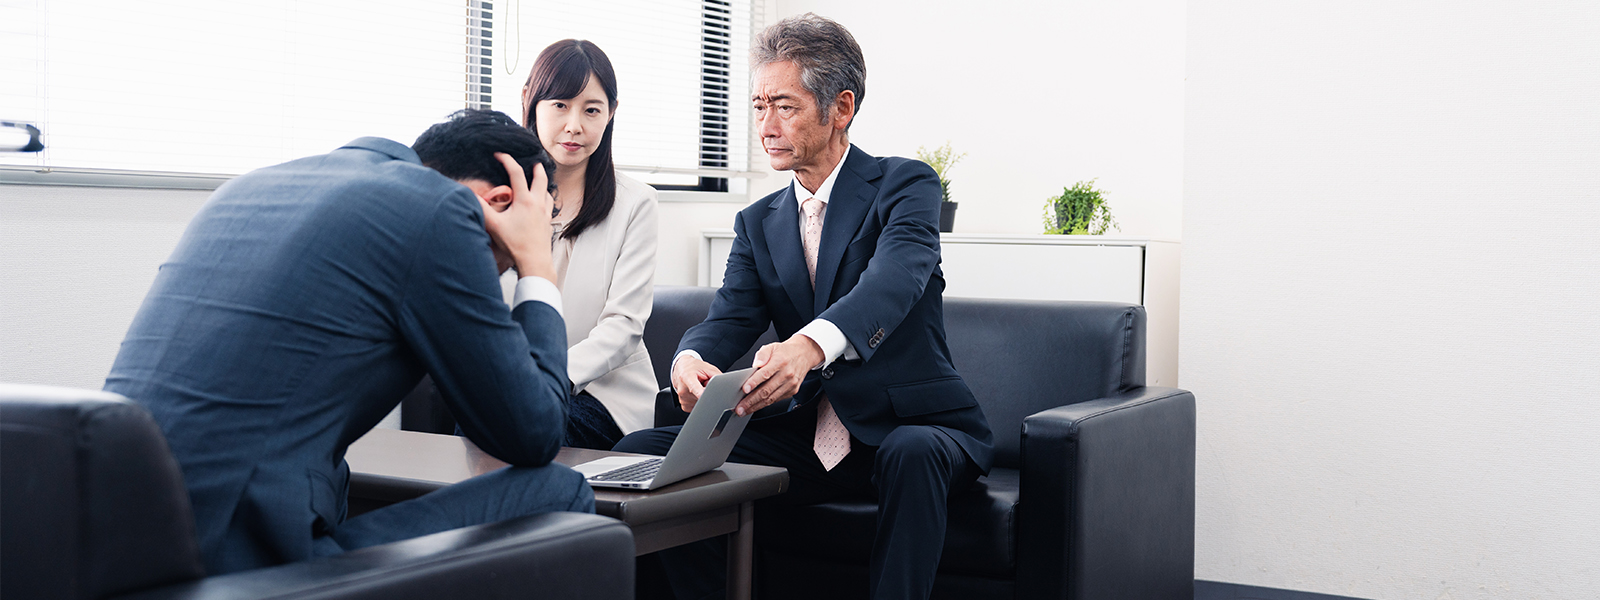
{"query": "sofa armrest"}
(553, 555)
(1107, 498)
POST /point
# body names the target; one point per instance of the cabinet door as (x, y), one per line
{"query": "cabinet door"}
(715, 247)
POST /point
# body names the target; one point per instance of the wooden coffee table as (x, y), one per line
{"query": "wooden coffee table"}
(388, 466)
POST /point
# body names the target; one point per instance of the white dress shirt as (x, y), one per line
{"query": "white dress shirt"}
(822, 331)
(537, 288)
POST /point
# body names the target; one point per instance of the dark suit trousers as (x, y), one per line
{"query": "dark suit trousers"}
(911, 475)
(590, 424)
(507, 493)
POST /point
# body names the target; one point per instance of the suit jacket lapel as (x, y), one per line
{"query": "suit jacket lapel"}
(847, 207)
(782, 228)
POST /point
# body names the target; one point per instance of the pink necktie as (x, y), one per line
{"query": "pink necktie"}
(833, 440)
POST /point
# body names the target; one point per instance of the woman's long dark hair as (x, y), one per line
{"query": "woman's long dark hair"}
(561, 71)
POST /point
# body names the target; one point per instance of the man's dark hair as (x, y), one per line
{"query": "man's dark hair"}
(829, 58)
(463, 148)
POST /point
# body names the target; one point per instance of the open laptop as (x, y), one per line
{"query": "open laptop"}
(702, 445)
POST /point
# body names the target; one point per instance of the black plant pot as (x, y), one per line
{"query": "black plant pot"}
(947, 217)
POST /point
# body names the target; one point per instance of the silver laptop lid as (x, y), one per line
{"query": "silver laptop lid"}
(707, 438)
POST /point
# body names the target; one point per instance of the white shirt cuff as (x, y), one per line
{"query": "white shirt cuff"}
(829, 339)
(679, 355)
(537, 288)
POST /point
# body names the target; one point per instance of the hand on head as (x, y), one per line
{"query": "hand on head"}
(520, 225)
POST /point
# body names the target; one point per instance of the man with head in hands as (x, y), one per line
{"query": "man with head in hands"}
(844, 263)
(306, 298)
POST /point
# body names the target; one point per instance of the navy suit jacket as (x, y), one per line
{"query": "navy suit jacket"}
(302, 303)
(878, 280)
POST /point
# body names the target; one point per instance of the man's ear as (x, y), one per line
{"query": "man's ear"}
(843, 109)
(499, 197)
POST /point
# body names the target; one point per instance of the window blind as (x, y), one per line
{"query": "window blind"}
(480, 54)
(21, 59)
(200, 86)
(724, 67)
(661, 52)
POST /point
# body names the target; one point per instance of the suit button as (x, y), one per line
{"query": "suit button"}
(827, 372)
(876, 338)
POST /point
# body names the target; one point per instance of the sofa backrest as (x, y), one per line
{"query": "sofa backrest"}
(1019, 357)
(91, 501)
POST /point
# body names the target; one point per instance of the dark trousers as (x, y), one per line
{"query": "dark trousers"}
(495, 496)
(911, 475)
(589, 424)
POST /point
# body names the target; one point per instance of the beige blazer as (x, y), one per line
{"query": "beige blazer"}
(606, 298)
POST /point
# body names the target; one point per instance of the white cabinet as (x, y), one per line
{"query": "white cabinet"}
(1046, 267)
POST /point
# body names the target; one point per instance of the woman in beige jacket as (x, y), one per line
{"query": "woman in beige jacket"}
(604, 246)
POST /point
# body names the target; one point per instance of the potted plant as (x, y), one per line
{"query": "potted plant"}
(942, 159)
(1079, 210)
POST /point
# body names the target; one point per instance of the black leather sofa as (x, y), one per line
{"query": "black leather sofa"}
(92, 505)
(1092, 494)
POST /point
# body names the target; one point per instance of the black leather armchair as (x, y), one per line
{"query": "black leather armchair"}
(1092, 494)
(92, 505)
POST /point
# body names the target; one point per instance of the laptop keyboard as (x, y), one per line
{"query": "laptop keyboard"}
(643, 471)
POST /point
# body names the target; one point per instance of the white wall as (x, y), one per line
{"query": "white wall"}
(681, 221)
(1389, 285)
(1039, 95)
(74, 265)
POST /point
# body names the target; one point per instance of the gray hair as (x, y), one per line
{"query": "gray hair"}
(829, 59)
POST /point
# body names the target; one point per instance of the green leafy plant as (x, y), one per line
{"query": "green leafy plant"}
(1079, 210)
(941, 159)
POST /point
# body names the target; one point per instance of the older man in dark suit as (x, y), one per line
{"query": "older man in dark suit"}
(844, 263)
(305, 299)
